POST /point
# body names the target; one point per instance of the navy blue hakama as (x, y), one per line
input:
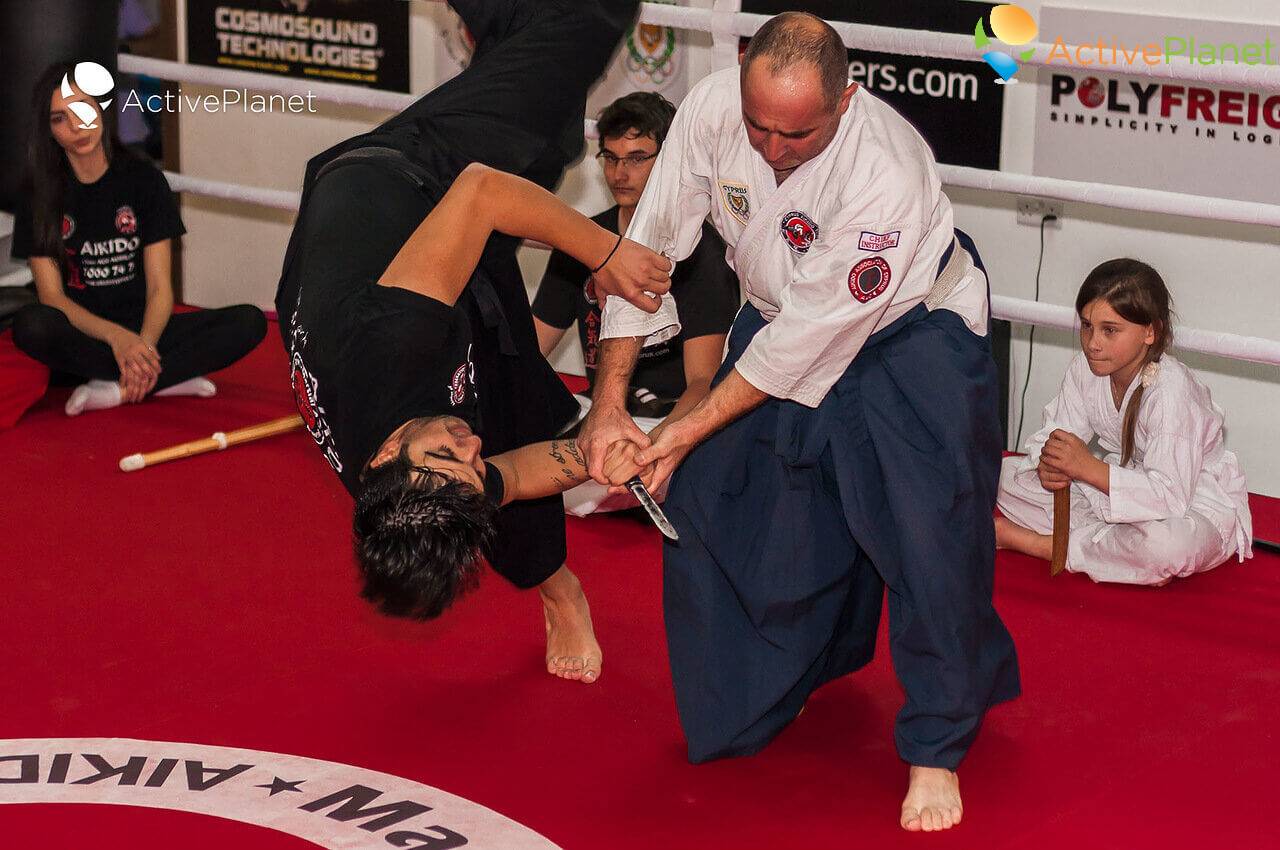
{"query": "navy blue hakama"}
(793, 520)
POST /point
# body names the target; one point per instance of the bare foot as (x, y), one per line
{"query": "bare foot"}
(1010, 535)
(933, 800)
(572, 650)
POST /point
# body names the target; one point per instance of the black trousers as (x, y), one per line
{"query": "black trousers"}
(192, 343)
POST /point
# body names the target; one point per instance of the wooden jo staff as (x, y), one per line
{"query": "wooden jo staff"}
(217, 442)
(1061, 530)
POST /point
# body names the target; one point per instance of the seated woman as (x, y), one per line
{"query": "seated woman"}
(1167, 499)
(96, 226)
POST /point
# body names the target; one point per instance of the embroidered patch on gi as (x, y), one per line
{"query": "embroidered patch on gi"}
(126, 221)
(736, 201)
(878, 241)
(305, 387)
(799, 231)
(304, 394)
(869, 278)
(458, 386)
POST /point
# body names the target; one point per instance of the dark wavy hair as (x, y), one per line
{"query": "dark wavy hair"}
(1136, 292)
(647, 113)
(419, 537)
(47, 168)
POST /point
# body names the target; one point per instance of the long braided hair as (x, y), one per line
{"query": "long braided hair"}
(1138, 294)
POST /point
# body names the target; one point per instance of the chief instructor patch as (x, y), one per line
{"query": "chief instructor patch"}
(869, 278)
(799, 231)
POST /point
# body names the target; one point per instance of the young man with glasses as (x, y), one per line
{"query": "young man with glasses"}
(672, 377)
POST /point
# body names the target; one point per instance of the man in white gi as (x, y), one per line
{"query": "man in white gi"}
(851, 441)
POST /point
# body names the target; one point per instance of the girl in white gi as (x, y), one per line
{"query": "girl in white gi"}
(1167, 499)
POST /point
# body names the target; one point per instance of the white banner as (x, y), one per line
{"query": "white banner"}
(1095, 124)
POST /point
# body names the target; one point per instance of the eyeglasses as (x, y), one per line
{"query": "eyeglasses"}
(635, 160)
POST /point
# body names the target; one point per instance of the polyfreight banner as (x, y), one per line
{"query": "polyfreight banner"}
(1096, 123)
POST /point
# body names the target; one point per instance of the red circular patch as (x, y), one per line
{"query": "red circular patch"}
(869, 278)
(126, 221)
(68, 226)
(799, 231)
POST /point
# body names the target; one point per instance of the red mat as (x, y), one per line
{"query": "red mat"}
(213, 601)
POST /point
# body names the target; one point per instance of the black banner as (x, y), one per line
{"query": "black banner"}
(957, 106)
(358, 42)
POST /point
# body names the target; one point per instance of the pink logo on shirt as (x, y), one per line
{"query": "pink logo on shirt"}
(799, 231)
(126, 221)
(458, 386)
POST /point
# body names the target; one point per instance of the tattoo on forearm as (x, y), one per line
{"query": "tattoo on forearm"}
(572, 465)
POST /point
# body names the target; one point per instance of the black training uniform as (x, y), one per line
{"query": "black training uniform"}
(366, 358)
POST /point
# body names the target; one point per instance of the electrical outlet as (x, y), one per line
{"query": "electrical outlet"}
(1032, 210)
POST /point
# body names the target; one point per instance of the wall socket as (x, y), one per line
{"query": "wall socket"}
(1032, 210)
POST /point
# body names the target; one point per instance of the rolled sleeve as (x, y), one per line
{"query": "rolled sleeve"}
(668, 218)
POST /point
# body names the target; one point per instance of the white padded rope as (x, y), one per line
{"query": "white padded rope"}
(1230, 346)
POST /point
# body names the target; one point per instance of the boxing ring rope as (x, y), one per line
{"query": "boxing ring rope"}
(725, 24)
(1228, 345)
(278, 199)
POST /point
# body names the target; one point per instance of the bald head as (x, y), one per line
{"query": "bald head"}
(793, 41)
(794, 90)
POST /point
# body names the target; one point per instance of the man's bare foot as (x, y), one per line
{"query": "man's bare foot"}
(572, 650)
(1010, 535)
(933, 800)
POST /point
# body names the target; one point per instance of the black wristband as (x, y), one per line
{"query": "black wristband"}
(616, 246)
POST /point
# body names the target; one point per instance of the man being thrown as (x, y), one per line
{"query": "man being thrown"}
(671, 377)
(851, 438)
(408, 327)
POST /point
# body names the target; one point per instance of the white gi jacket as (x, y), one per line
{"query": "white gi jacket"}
(1181, 506)
(848, 243)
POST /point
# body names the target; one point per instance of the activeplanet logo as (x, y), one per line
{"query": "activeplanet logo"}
(95, 81)
(331, 805)
(1012, 25)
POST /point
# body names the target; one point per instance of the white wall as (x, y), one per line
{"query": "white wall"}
(1223, 277)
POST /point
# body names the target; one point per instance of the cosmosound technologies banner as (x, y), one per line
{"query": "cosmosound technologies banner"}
(358, 42)
(957, 106)
(1096, 123)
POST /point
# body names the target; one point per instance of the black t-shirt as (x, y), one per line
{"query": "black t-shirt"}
(364, 364)
(105, 226)
(704, 287)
